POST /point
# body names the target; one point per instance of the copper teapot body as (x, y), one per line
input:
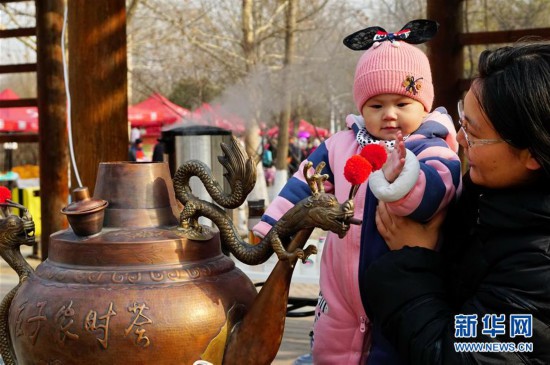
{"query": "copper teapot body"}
(138, 292)
(133, 283)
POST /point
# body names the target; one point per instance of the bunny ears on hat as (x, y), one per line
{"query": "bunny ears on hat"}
(414, 32)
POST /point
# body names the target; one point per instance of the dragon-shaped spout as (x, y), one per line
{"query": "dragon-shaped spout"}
(14, 232)
(318, 210)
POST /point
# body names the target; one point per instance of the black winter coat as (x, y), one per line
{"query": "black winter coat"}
(495, 260)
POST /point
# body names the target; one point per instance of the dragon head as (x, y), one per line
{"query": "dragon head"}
(321, 210)
(16, 231)
(325, 212)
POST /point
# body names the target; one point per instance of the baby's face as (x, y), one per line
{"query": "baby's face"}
(386, 114)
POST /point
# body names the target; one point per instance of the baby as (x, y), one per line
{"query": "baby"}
(393, 93)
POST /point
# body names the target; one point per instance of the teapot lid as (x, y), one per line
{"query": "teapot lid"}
(83, 203)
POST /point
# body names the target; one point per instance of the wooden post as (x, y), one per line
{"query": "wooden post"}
(54, 157)
(446, 53)
(98, 85)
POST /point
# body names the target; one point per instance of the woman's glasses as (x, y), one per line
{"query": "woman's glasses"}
(464, 125)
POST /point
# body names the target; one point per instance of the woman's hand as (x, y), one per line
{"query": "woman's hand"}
(399, 232)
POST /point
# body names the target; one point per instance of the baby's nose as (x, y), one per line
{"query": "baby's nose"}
(390, 114)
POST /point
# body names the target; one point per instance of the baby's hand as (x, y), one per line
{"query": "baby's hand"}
(396, 160)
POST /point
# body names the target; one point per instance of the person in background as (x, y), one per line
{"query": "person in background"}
(158, 151)
(487, 285)
(294, 155)
(303, 146)
(134, 134)
(393, 93)
(314, 144)
(267, 164)
(136, 151)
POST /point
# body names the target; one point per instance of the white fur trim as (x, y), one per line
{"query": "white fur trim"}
(352, 119)
(406, 180)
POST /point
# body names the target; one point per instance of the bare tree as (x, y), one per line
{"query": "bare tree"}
(248, 57)
(393, 14)
(203, 40)
(252, 137)
(249, 43)
(18, 50)
(283, 139)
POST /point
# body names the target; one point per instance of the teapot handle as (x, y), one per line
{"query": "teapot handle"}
(15, 231)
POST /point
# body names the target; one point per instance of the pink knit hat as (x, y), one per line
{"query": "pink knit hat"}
(393, 68)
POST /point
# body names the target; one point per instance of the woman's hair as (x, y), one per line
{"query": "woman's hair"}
(513, 88)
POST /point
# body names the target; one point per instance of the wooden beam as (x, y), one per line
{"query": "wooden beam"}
(22, 67)
(52, 116)
(17, 103)
(99, 108)
(446, 53)
(19, 137)
(18, 32)
(504, 36)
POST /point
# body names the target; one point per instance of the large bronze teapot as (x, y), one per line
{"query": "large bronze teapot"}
(136, 279)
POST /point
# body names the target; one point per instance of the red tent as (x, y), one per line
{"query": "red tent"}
(305, 129)
(161, 110)
(140, 117)
(19, 119)
(155, 112)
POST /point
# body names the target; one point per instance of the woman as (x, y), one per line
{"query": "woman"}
(484, 296)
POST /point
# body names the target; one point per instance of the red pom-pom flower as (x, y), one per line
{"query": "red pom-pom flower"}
(375, 154)
(357, 169)
(5, 194)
